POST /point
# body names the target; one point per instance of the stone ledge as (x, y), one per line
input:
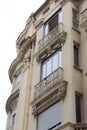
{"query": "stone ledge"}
(11, 99)
(50, 97)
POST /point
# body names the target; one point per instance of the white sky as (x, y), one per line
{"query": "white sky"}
(13, 16)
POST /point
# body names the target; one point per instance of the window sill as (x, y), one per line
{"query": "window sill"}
(78, 68)
(75, 29)
(85, 74)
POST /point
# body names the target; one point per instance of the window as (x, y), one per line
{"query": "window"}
(78, 99)
(75, 18)
(76, 54)
(53, 22)
(51, 64)
(13, 118)
(18, 77)
(50, 119)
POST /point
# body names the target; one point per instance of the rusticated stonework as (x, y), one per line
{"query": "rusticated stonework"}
(48, 98)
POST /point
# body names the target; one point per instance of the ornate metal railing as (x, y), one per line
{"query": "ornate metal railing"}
(50, 81)
(51, 36)
(84, 19)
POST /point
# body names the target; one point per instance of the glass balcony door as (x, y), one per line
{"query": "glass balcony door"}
(51, 64)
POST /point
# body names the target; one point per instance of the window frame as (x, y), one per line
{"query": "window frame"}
(13, 117)
(75, 21)
(80, 96)
(59, 106)
(50, 19)
(76, 53)
(45, 62)
(18, 76)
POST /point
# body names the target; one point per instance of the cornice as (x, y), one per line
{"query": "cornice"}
(11, 99)
(21, 54)
(21, 37)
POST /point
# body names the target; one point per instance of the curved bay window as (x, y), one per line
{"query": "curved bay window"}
(51, 64)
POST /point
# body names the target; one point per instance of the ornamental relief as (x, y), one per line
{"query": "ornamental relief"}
(49, 51)
(47, 99)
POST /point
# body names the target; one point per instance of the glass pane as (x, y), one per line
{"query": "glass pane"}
(55, 61)
(46, 29)
(60, 16)
(75, 15)
(18, 77)
(49, 66)
(43, 71)
(76, 56)
(60, 57)
(53, 22)
(78, 107)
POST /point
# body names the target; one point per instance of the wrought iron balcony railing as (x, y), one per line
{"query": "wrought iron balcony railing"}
(50, 81)
(84, 19)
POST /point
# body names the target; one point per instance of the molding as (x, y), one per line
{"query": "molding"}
(19, 58)
(50, 97)
(78, 68)
(11, 99)
(21, 37)
(39, 23)
(50, 47)
(85, 74)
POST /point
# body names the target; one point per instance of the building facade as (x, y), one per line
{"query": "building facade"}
(49, 74)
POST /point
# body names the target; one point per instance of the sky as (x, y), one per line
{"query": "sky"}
(13, 17)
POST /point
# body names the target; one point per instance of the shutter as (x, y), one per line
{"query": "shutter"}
(50, 117)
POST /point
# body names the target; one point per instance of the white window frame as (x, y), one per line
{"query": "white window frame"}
(45, 63)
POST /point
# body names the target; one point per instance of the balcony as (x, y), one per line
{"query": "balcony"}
(71, 126)
(84, 19)
(48, 82)
(49, 91)
(51, 42)
(80, 126)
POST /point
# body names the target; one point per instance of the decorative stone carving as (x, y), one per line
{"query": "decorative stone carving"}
(50, 97)
(39, 23)
(26, 46)
(51, 42)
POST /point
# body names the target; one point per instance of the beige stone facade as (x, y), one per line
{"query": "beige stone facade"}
(49, 75)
